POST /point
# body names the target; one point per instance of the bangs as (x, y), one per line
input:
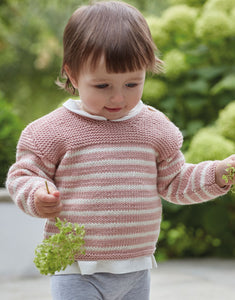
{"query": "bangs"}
(122, 54)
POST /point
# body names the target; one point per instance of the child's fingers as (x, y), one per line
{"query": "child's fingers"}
(56, 193)
(46, 199)
(48, 205)
(51, 211)
(49, 200)
(230, 159)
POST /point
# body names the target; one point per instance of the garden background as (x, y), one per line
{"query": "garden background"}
(195, 39)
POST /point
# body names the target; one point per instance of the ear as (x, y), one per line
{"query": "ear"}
(72, 79)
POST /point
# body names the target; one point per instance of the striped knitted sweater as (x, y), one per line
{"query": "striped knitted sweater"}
(111, 177)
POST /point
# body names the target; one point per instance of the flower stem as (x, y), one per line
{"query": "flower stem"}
(47, 187)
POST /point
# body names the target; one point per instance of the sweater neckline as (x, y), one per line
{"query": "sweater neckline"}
(75, 107)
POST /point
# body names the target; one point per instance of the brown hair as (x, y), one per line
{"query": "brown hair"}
(114, 29)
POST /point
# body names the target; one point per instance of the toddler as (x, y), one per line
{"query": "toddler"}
(108, 158)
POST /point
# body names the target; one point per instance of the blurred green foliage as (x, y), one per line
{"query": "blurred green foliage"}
(208, 144)
(216, 141)
(197, 43)
(10, 128)
(226, 122)
(196, 40)
(31, 51)
(198, 230)
(206, 229)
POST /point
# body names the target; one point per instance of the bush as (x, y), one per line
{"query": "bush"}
(176, 64)
(196, 41)
(220, 5)
(226, 122)
(200, 230)
(213, 26)
(10, 129)
(208, 144)
(178, 21)
(206, 229)
(154, 91)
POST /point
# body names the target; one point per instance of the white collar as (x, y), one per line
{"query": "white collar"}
(75, 106)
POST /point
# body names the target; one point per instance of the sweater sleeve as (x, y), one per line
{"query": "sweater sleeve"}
(184, 183)
(28, 173)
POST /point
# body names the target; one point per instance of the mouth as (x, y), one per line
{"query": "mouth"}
(113, 110)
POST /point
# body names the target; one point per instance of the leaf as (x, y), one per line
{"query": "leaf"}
(210, 72)
(199, 86)
(227, 83)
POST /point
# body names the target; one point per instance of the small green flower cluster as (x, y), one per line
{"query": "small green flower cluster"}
(216, 22)
(174, 27)
(178, 21)
(229, 176)
(213, 26)
(59, 250)
(155, 90)
(176, 65)
(159, 34)
(226, 120)
(220, 5)
(204, 146)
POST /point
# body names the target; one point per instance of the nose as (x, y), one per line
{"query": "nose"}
(117, 97)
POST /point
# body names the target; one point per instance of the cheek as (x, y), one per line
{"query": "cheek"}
(93, 102)
(136, 96)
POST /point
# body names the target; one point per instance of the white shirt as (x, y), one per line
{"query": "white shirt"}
(108, 266)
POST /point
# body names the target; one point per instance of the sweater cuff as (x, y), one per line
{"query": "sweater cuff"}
(212, 186)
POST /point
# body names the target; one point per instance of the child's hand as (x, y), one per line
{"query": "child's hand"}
(221, 171)
(48, 205)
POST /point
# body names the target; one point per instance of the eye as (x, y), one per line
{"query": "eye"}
(101, 86)
(131, 85)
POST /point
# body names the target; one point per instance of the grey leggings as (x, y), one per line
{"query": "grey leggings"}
(101, 286)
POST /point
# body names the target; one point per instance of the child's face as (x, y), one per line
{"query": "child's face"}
(110, 95)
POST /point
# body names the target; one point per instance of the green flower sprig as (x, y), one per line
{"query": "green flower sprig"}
(59, 250)
(230, 176)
